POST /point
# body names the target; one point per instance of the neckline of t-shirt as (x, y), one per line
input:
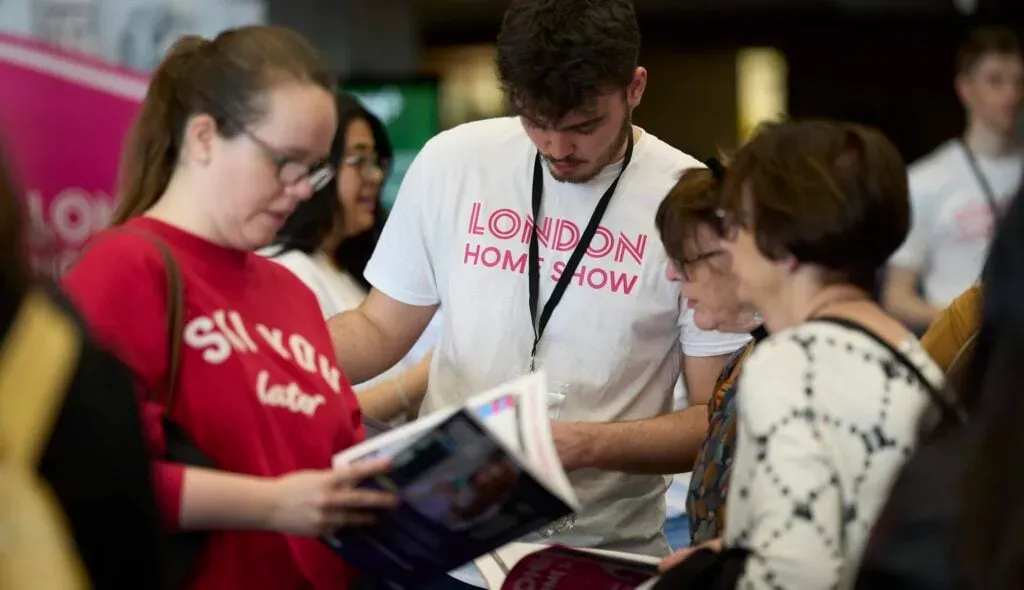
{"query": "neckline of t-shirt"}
(199, 248)
(609, 172)
(1014, 156)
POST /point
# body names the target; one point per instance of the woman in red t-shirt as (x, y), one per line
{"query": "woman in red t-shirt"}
(230, 139)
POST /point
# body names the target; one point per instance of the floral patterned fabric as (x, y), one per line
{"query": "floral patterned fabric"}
(709, 486)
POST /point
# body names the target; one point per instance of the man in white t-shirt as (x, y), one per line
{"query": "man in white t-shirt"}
(957, 189)
(460, 235)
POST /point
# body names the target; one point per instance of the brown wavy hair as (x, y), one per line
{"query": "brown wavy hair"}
(225, 78)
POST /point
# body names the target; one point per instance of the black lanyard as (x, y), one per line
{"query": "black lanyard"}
(986, 188)
(574, 258)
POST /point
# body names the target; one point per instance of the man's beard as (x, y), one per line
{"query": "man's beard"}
(606, 158)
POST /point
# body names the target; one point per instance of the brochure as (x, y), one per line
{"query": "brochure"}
(470, 480)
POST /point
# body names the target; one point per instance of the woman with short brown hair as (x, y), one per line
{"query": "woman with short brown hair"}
(829, 405)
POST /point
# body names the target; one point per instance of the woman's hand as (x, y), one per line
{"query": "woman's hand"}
(317, 502)
(680, 556)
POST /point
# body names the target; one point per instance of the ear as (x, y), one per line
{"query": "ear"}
(789, 264)
(199, 138)
(962, 87)
(635, 90)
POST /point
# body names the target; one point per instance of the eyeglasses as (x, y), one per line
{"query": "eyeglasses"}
(289, 170)
(686, 266)
(369, 165)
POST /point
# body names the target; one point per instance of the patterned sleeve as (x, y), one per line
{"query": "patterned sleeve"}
(784, 498)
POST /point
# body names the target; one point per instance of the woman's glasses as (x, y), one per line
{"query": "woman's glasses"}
(369, 165)
(291, 171)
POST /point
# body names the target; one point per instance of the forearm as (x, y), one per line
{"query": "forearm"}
(662, 445)
(912, 310)
(401, 394)
(217, 500)
(903, 300)
(362, 348)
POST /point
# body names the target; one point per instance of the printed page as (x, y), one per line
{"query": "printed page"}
(462, 493)
(565, 568)
(496, 565)
(517, 414)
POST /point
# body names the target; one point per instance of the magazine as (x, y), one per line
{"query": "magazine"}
(555, 567)
(469, 480)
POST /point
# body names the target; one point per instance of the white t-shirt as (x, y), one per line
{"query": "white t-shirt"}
(459, 235)
(826, 418)
(338, 291)
(952, 222)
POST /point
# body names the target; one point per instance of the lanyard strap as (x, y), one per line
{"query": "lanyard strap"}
(986, 188)
(574, 258)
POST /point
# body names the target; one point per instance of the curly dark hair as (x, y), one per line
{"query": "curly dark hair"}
(555, 56)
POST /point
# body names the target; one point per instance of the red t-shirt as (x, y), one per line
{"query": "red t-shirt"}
(259, 390)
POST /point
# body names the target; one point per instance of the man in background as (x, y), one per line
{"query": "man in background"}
(958, 191)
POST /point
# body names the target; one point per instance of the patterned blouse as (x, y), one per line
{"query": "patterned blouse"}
(705, 500)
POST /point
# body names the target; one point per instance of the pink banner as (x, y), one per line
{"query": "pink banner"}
(63, 119)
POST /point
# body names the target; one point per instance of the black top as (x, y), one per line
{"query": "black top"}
(98, 468)
(912, 545)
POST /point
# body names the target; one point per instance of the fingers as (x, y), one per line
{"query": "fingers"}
(346, 518)
(360, 499)
(353, 473)
(355, 507)
(675, 559)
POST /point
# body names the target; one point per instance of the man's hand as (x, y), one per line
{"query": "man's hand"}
(571, 441)
(680, 556)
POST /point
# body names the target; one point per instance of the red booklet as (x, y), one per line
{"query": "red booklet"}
(522, 565)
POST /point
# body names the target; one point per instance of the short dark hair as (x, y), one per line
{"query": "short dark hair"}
(832, 194)
(694, 201)
(985, 41)
(555, 56)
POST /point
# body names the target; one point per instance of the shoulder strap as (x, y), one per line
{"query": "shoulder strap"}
(979, 176)
(951, 409)
(175, 316)
(37, 363)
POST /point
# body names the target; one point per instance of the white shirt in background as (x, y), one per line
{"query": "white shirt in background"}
(338, 291)
(459, 233)
(952, 223)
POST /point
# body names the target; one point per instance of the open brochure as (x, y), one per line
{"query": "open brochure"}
(528, 565)
(470, 480)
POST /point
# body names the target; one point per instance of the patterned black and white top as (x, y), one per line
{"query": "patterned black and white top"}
(827, 416)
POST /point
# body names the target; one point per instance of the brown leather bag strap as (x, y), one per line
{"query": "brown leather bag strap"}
(175, 316)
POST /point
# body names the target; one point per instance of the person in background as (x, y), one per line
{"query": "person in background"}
(68, 412)
(328, 240)
(689, 222)
(951, 336)
(955, 516)
(232, 135)
(829, 405)
(958, 191)
(485, 225)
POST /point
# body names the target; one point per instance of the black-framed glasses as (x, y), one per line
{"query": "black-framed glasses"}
(291, 171)
(686, 266)
(369, 165)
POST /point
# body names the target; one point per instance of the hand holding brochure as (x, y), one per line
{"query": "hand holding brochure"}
(469, 480)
